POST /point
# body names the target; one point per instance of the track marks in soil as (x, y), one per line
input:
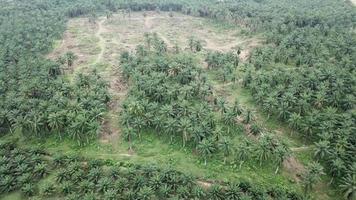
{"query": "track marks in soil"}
(101, 41)
(301, 149)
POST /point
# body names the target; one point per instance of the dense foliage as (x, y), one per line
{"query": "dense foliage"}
(306, 77)
(78, 178)
(224, 64)
(36, 98)
(20, 168)
(126, 181)
(170, 94)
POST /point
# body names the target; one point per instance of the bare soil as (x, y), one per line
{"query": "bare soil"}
(176, 30)
(302, 148)
(101, 40)
(294, 168)
(80, 39)
(204, 184)
(353, 2)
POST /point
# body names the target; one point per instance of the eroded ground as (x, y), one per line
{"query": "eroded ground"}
(104, 40)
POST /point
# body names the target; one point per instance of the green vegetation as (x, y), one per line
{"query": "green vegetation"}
(21, 168)
(306, 77)
(223, 113)
(76, 177)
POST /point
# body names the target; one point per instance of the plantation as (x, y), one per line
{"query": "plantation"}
(114, 99)
(76, 177)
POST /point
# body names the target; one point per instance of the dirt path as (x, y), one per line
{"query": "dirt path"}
(216, 47)
(101, 41)
(204, 184)
(148, 23)
(110, 132)
(148, 28)
(156, 17)
(302, 148)
(165, 40)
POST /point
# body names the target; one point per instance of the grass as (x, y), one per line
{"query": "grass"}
(154, 149)
(219, 25)
(235, 92)
(305, 157)
(293, 139)
(56, 44)
(12, 196)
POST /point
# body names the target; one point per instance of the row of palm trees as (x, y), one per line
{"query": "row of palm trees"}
(74, 110)
(169, 94)
(265, 147)
(76, 177)
(20, 168)
(36, 98)
(97, 180)
(304, 76)
(316, 102)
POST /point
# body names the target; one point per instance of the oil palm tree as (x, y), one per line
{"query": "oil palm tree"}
(348, 186)
(129, 133)
(145, 193)
(56, 122)
(337, 167)
(170, 127)
(70, 57)
(263, 150)
(280, 154)
(248, 116)
(233, 191)
(243, 152)
(237, 108)
(221, 103)
(185, 127)
(322, 149)
(283, 110)
(224, 146)
(28, 189)
(206, 148)
(104, 184)
(215, 193)
(198, 192)
(295, 121)
(312, 176)
(110, 194)
(40, 170)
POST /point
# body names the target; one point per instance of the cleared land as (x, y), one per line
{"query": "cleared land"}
(353, 2)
